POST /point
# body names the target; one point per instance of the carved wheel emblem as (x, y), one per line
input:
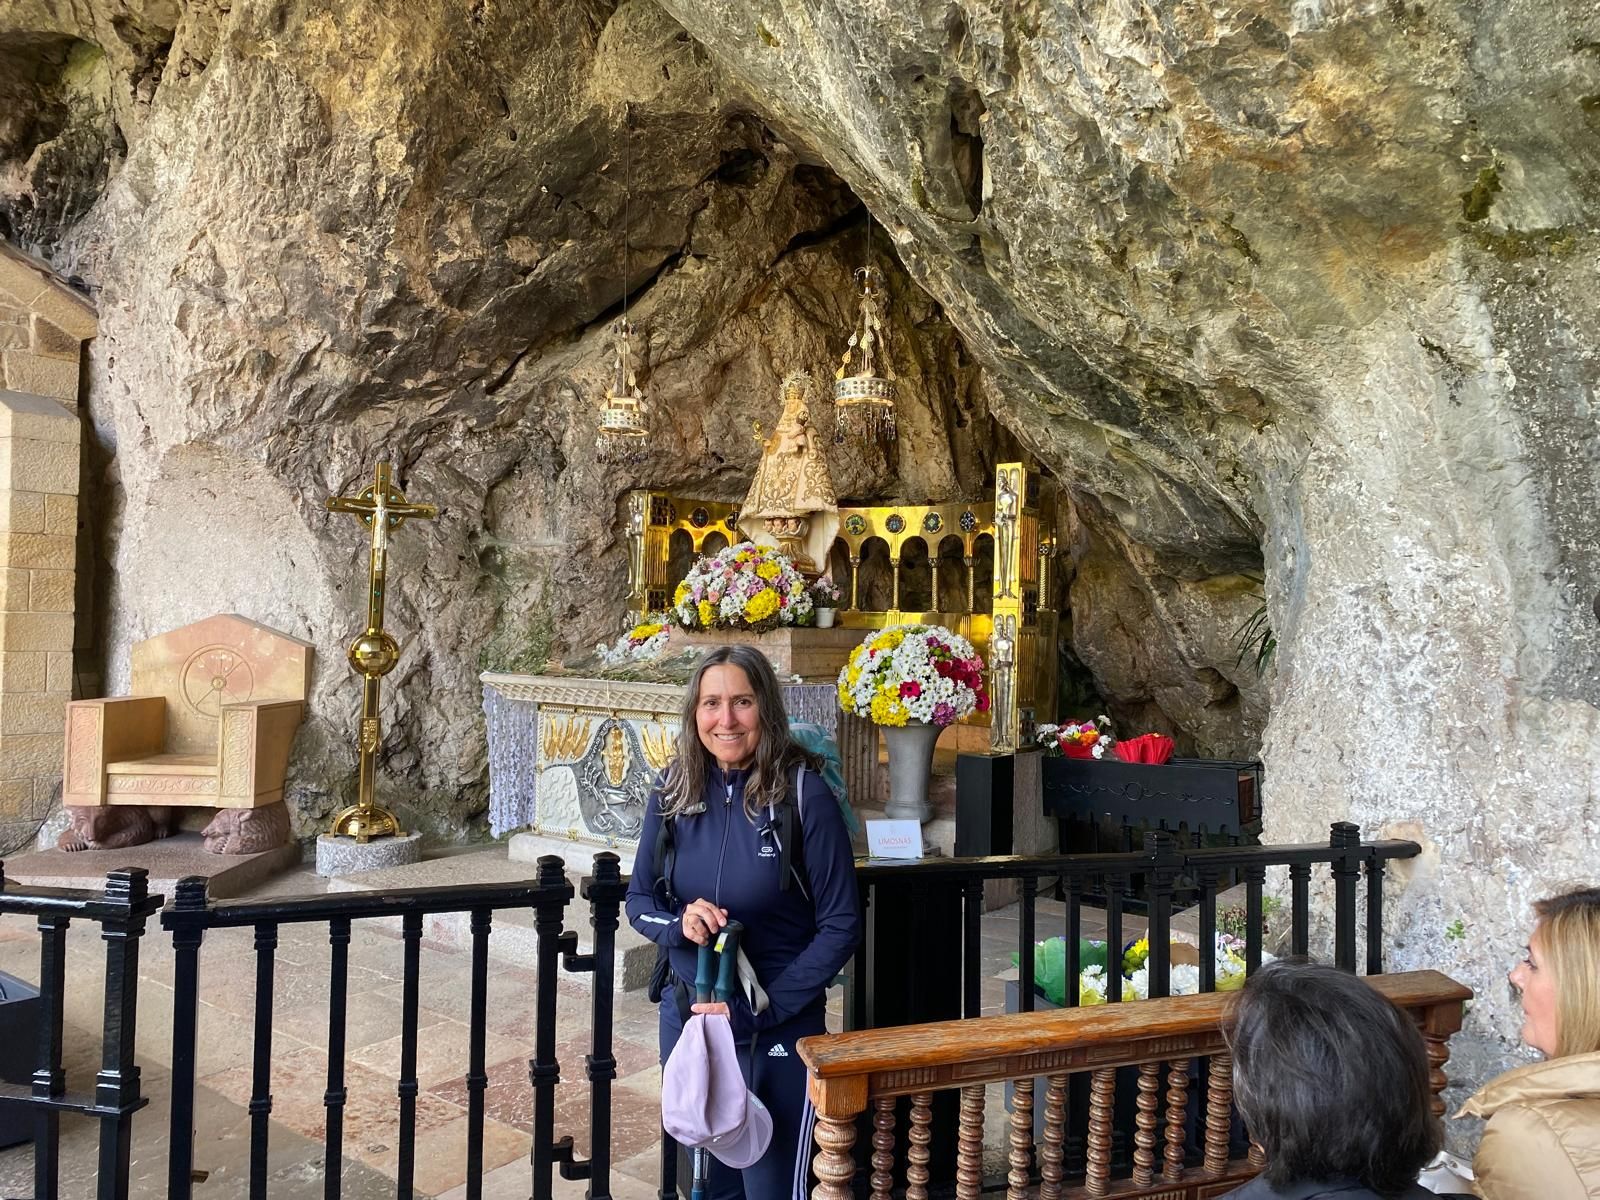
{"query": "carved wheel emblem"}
(214, 676)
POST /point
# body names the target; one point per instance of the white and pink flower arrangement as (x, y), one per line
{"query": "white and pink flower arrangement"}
(642, 643)
(825, 593)
(744, 586)
(1077, 739)
(913, 673)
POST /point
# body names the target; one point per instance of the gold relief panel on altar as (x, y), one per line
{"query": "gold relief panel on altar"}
(595, 770)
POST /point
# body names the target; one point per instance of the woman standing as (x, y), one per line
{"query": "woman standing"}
(1542, 1141)
(722, 796)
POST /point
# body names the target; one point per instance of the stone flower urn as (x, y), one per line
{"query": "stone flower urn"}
(910, 767)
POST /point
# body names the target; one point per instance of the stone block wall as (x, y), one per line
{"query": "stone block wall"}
(43, 325)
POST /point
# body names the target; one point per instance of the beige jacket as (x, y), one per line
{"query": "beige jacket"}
(1542, 1141)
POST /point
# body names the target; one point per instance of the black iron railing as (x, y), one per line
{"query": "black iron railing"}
(1162, 878)
(921, 959)
(548, 895)
(936, 903)
(121, 912)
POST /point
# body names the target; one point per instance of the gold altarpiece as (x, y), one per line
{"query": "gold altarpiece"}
(985, 570)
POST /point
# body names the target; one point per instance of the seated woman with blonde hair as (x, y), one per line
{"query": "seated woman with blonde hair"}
(1542, 1141)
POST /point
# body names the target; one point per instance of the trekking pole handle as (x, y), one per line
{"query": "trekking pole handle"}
(705, 971)
(727, 944)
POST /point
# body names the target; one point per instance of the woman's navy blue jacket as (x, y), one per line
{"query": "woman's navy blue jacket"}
(796, 945)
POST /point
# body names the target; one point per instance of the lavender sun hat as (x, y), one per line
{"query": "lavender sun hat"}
(704, 1100)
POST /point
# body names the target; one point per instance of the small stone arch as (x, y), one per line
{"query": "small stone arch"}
(916, 576)
(983, 573)
(680, 557)
(950, 573)
(874, 577)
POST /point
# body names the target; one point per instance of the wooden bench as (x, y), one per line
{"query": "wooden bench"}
(852, 1072)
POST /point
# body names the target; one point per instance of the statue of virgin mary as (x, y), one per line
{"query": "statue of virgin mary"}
(791, 504)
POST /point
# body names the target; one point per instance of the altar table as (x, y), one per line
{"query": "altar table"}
(574, 758)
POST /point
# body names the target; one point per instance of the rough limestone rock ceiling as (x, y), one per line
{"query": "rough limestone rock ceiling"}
(1317, 277)
(1296, 288)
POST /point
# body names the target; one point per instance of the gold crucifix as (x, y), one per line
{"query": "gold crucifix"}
(382, 508)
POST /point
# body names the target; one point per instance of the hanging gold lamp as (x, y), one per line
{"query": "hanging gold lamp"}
(623, 418)
(863, 399)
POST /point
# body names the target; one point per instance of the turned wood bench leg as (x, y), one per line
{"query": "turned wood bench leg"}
(1144, 1134)
(969, 1144)
(917, 1156)
(1219, 1106)
(835, 1163)
(1051, 1154)
(1102, 1090)
(1177, 1117)
(1021, 1155)
(882, 1147)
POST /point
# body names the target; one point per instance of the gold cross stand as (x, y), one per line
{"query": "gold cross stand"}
(382, 508)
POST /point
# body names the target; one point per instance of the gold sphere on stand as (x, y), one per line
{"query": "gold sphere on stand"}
(374, 653)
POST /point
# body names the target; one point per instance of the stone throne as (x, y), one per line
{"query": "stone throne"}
(210, 725)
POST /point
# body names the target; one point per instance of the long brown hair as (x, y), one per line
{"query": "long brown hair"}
(776, 756)
(1569, 939)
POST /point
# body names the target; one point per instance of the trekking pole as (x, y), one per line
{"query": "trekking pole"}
(705, 972)
(727, 948)
(715, 970)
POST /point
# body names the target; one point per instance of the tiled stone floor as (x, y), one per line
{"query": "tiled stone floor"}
(299, 1063)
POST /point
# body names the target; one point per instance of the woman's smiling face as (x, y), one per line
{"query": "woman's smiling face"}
(727, 716)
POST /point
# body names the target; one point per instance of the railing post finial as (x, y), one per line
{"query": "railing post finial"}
(127, 885)
(607, 867)
(191, 894)
(552, 871)
(1160, 841)
(1342, 835)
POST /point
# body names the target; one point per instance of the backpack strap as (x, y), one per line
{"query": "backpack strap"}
(665, 852)
(666, 855)
(663, 860)
(787, 821)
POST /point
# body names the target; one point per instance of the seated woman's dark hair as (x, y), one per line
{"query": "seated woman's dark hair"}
(1331, 1079)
